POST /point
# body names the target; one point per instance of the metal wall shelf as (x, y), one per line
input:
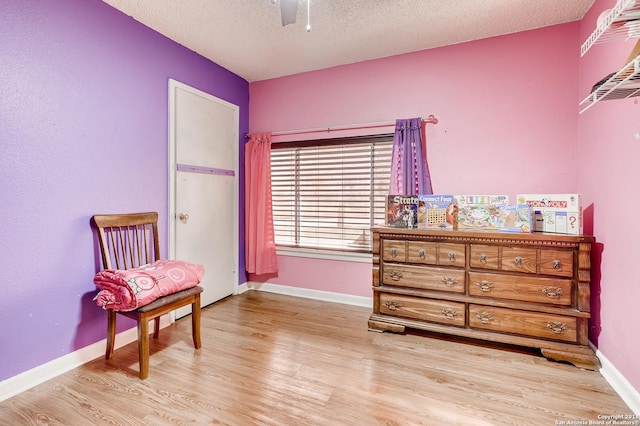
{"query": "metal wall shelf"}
(623, 84)
(622, 22)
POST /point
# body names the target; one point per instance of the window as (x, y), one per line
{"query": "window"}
(327, 194)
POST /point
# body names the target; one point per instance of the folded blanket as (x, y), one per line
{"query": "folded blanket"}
(129, 289)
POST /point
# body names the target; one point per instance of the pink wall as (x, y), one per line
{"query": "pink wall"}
(509, 123)
(609, 179)
(507, 111)
(320, 274)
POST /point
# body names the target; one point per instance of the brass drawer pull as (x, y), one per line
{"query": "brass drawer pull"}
(518, 260)
(394, 252)
(395, 275)
(557, 265)
(485, 317)
(422, 254)
(483, 258)
(552, 292)
(392, 305)
(485, 285)
(449, 281)
(449, 312)
(452, 256)
(557, 327)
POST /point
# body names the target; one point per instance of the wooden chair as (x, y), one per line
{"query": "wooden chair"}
(129, 241)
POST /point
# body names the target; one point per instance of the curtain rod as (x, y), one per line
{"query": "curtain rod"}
(430, 119)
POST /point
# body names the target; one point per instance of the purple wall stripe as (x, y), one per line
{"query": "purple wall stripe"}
(205, 170)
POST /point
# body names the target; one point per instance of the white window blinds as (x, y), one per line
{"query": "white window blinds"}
(327, 194)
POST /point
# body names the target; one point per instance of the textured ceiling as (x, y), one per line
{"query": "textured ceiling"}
(247, 37)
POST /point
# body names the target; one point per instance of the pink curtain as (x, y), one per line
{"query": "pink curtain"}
(259, 236)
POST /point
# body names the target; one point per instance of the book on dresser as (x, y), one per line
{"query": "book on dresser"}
(526, 289)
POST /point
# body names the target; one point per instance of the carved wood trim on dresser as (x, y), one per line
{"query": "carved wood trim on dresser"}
(522, 289)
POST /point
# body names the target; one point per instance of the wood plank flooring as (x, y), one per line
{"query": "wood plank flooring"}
(270, 359)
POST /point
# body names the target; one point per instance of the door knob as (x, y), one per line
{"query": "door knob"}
(184, 217)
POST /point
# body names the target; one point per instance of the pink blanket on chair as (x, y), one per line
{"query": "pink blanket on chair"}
(129, 289)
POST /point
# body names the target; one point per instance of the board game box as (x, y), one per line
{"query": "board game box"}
(480, 211)
(436, 211)
(484, 217)
(555, 213)
(402, 211)
(515, 218)
(481, 199)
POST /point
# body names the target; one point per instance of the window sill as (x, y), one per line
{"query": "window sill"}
(325, 254)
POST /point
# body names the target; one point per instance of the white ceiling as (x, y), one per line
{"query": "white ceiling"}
(247, 37)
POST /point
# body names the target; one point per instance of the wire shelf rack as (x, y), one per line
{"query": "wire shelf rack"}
(621, 22)
(623, 84)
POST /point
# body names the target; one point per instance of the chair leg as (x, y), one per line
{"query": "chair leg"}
(156, 327)
(111, 333)
(143, 346)
(195, 322)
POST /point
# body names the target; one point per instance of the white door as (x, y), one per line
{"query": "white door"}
(203, 193)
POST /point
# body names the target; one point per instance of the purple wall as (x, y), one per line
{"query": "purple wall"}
(83, 130)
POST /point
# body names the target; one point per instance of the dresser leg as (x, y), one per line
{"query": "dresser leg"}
(381, 326)
(580, 357)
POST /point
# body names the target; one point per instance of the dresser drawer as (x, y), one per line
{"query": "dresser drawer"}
(528, 260)
(556, 262)
(555, 291)
(533, 324)
(451, 254)
(483, 256)
(423, 277)
(440, 311)
(394, 250)
(423, 252)
(519, 259)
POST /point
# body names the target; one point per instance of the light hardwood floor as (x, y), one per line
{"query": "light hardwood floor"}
(270, 359)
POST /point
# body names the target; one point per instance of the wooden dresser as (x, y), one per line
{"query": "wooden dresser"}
(524, 289)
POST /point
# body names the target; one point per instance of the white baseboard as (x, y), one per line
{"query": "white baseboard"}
(241, 289)
(40, 374)
(327, 296)
(623, 388)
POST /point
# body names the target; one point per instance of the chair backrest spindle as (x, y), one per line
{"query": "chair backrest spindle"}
(128, 240)
(145, 246)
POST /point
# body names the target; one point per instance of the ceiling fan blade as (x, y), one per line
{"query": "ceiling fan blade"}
(288, 11)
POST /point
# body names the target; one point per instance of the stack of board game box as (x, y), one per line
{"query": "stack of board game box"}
(470, 212)
(554, 213)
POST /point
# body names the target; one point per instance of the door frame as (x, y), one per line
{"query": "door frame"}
(172, 171)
